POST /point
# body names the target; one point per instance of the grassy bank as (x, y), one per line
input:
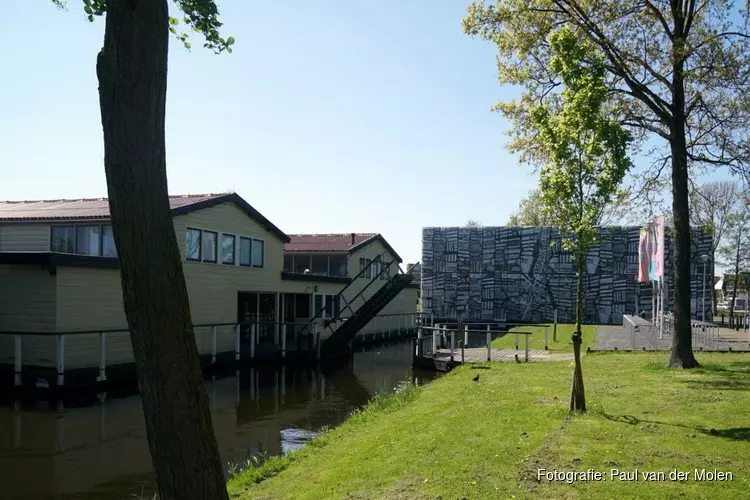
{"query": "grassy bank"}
(536, 340)
(455, 438)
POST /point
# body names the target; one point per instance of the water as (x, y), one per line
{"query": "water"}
(98, 449)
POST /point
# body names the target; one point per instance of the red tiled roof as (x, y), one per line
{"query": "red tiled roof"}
(84, 208)
(326, 242)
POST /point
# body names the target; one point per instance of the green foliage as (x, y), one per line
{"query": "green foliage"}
(585, 150)
(202, 16)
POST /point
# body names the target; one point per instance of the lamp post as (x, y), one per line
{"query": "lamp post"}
(705, 258)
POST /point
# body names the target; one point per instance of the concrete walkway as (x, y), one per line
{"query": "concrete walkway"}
(616, 337)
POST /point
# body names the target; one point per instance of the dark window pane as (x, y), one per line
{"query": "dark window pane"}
(318, 305)
(338, 265)
(288, 266)
(244, 251)
(193, 244)
(319, 264)
(63, 239)
(108, 242)
(257, 253)
(209, 246)
(302, 305)
(87, 240)
(227, 249)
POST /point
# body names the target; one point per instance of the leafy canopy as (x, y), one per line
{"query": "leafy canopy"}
(202, 16)
(585, 150)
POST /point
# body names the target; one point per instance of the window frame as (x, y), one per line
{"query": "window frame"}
(263, 253)
(200, 244)
(98, 238)
(221, 249)
(84, 224)
(216, 247)
(239, 252)
(61, 226)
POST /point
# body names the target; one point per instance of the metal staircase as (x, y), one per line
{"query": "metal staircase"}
(356, 311)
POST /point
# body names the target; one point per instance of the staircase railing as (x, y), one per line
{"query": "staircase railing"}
(319, 314)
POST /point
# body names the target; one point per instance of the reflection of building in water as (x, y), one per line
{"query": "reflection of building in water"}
(101, 451)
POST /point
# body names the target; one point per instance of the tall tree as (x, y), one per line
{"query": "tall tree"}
(132, 72)
(736, 248)
(586, 160)
(711, 207)
(676, 71)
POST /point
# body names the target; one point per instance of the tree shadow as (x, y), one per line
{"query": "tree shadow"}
(733, 434)
(733, 376)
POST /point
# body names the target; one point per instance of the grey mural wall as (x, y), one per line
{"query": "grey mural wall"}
(524, 274)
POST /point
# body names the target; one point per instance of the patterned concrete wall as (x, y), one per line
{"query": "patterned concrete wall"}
(512, 273)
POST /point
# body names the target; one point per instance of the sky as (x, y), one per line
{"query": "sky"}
(328, 116)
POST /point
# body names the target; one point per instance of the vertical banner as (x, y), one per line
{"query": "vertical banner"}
(643, 256)
(656, 248)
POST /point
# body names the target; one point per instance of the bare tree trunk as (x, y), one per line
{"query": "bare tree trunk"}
(577, 393)
(132, 72)
(682, 340)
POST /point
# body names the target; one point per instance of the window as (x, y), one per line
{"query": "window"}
(87, 240)
(108, 242)
(338, 265)
(319, 264)
(208, 246)
(289, 263)
(257, 253)
(63, 239)
(376, 267)
(368, 268)
(302, 305)
(327, 306)
(245, 251)
(227, 249)
(193, 244)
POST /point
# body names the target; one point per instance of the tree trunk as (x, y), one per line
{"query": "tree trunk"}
(577, 393)
(732, 320)
(132, 73)
(682, 341)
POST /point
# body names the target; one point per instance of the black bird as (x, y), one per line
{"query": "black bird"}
(476, 379)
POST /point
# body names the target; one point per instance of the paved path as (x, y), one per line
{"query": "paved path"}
(611, 337)
(479, 355)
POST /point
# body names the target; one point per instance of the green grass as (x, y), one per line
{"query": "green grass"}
(536, 340)
(458, 439)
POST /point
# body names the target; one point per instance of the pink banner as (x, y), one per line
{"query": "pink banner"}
(656, 248)
(643, 256)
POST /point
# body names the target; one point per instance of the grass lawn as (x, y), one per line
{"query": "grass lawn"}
(536, 340)
(458, 439)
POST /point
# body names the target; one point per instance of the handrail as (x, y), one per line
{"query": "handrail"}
(441, 329)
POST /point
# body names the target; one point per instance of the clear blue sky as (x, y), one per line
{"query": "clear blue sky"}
(329, 116)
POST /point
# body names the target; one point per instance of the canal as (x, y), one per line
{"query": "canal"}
(97, 449)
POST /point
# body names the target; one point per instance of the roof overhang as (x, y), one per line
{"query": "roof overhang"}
(52, 260)
(314, 278)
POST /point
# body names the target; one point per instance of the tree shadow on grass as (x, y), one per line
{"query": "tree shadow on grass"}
(734, 376)
(733, 434)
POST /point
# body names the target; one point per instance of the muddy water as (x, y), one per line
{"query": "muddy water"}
(97, 448)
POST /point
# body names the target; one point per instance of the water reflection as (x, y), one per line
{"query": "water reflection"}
(99, 449)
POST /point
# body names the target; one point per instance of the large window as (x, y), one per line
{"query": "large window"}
(88, 240)
(319, 264)
(63, 239)
(108, 242)
(193, 244)
(258, 253)
(338, 265)
(288, 263)
(95, 240)
(227, 249)
(364, 265)
(208, 246)
(245, 251)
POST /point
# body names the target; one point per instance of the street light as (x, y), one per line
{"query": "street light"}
(705, 258)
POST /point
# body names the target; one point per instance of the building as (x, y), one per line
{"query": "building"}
(524, 274)
(59, 273)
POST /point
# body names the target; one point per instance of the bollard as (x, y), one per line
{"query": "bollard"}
(453, 343)
(102, 358)
(546, 348)
(60, 359)
(252, 341)
(526, 348)
(283, 341)
(419, 342)
(17, 361)
(516, 338)
(554, 328)
(461, 345)
(213, 345)
(434, 342)
(489, 345)
(237, 342)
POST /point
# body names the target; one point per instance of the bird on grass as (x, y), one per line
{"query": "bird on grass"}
(476, 379)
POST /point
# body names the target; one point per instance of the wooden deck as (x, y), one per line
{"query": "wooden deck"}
(479, 355)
